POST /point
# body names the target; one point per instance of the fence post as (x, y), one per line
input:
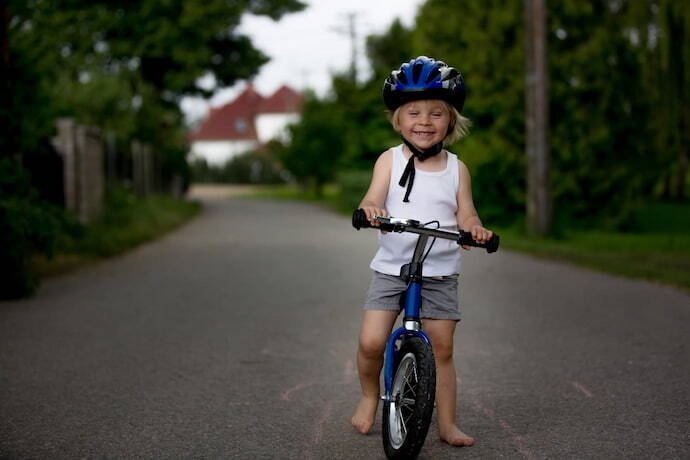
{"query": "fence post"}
(65, 144)
(148, 169)
(177, 186)
(81, 148)
(111, 158)
(142, 168)
(91, 171)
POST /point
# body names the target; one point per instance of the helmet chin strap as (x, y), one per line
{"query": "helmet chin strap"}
(408, 175)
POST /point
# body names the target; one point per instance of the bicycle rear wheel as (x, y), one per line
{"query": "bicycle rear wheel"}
(406, 416)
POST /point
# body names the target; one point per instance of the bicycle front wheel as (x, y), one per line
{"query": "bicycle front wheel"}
(406, 416)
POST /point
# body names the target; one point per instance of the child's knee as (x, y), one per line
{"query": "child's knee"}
(443, 350)
(371, 347)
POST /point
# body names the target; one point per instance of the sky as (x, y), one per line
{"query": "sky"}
(306, 48)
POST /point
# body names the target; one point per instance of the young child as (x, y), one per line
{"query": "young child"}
(418, 180)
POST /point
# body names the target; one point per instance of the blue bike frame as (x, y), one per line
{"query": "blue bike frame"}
(410, 328)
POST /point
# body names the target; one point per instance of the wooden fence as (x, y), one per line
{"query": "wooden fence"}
(91, 160)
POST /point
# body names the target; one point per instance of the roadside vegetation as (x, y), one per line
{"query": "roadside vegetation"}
(127, 222)
(39, 238)
(654, 253)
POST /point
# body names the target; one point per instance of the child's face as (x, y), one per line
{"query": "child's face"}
(424, 123)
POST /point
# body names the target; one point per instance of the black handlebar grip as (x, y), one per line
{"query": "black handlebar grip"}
(491, 245)
(359, 219)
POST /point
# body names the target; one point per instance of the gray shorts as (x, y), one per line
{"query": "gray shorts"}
(439, 295)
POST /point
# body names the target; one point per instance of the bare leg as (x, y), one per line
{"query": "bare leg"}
(441, 334)
(376, 327)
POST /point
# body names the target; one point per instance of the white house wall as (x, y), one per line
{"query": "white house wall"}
(273, 125)
(219, 152)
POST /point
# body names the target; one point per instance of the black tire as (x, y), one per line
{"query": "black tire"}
(407, 416)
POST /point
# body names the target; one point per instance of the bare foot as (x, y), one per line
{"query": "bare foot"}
(453, 436)
(365, 414)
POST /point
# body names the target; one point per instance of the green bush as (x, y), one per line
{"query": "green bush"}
(498, 191)
(657, 217)
(248, 168)
(352, 185)
(28, 225)
(126, 222)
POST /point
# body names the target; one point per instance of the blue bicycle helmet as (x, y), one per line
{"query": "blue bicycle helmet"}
(424, 78)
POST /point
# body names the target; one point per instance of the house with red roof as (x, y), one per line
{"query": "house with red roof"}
(245, 124)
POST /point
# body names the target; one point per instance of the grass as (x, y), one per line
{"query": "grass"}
(293, 192)
(658, 250)
(126, 222)
(660, 257)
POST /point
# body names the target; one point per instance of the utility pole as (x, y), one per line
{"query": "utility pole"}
(537, 118)
(352, 22)
(351, 31)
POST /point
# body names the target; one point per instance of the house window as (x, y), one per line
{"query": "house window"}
(240, 125)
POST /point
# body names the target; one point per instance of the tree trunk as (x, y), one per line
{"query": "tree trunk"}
(681, 177)
(4, 35)
(4, 73)
(678, 64)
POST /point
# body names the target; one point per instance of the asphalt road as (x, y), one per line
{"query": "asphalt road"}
(235, 337)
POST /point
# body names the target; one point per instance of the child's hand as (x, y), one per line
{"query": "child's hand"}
(371, 212)
(479, 234)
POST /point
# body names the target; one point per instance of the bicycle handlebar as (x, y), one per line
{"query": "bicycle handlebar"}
(393, 224)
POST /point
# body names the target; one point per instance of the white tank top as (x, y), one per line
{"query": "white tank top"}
(433, 197)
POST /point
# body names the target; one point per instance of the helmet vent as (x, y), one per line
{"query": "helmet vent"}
(449, 73)
(432, 75)
(417, 71)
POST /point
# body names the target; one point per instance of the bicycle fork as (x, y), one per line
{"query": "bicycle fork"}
(412, 325)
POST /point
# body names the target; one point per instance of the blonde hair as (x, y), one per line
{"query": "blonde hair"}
(458, 127)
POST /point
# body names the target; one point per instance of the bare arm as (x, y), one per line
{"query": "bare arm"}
(375, 198)
(467, 217)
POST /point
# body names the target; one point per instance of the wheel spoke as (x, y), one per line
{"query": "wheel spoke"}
(407, 420)
(403, 426)
(407, 402)
(409, 388)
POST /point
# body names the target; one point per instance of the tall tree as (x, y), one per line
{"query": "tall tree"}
(317, 144)
(160, 49)
(170, 44)
(603, 156)
(661, 30)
